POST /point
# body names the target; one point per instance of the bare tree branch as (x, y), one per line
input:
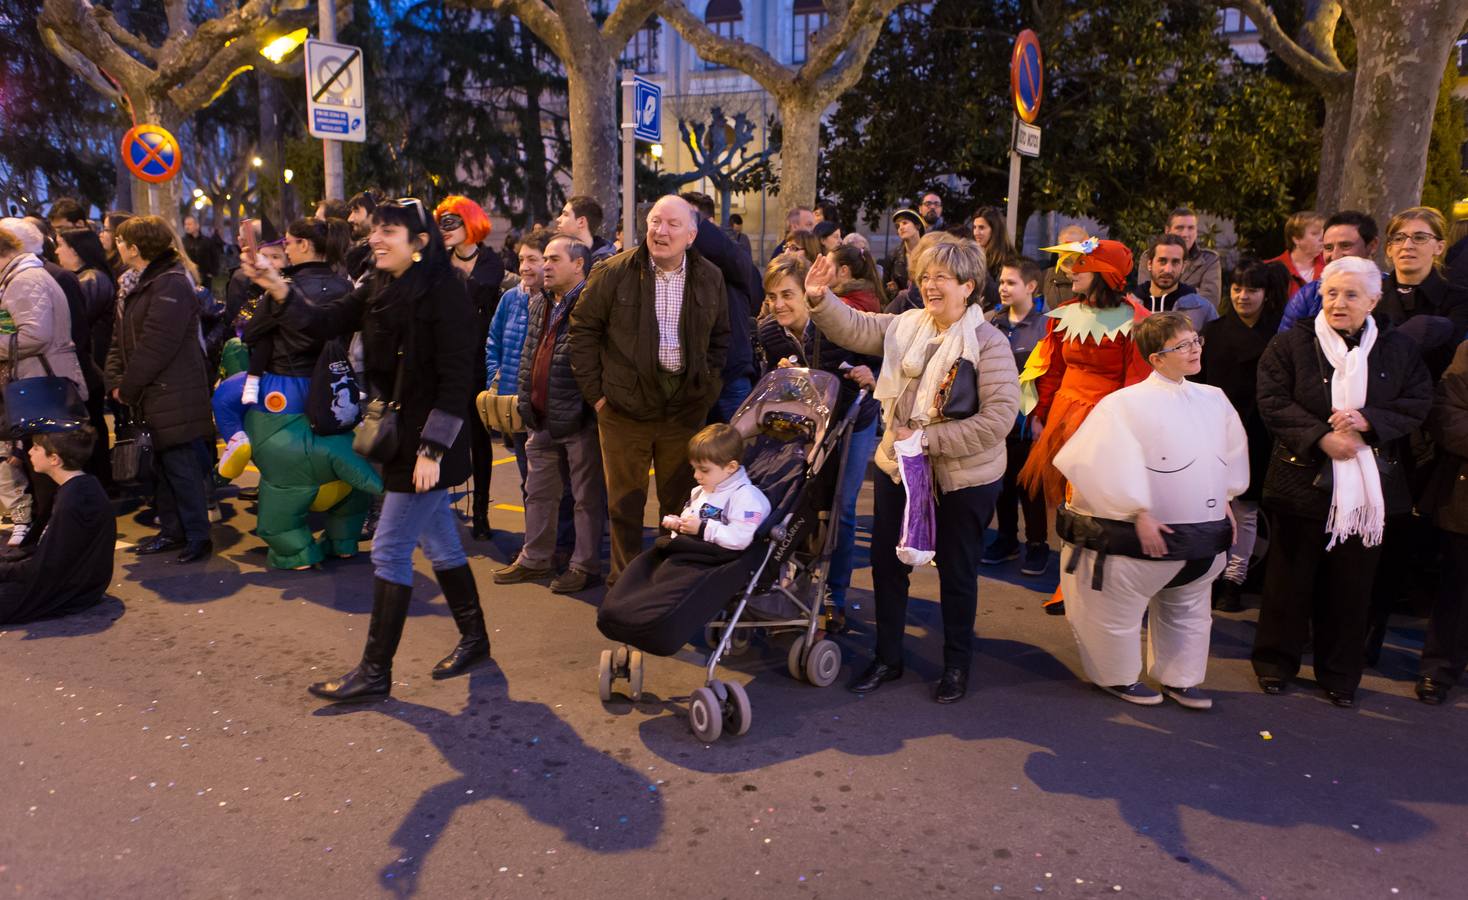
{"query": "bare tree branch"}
(179, 24)
(847, 72)
(123, 36)
(1317, 35)
(83, 67)
(841, 30)
(1324, 74)
(545, 22)
(748, 58)
(624, 21)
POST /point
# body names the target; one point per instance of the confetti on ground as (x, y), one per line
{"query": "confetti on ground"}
(1266, 735)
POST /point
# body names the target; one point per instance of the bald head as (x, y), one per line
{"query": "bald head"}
(1072, 233)
(671, 228)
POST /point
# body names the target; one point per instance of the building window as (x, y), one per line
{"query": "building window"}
(641, 54)
(1233, 22)
(724, 18)
(810, 17)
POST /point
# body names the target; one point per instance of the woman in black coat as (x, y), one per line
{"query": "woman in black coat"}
(79, 250)
(464, 226)
(1445, 646)
(1334, 476)
(158, 369)
(1232, 345)
(419, 349)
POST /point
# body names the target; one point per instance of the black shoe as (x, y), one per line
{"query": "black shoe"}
(480, 530)
(1054, 607)
(1000, 550)
(952, 686)
(1343, 699)
(1431, 691)
(1037, 559)
(873, 677)
(372, 677)
(462, 596)
(158, 544)
(572, 581)
(1271, 685)
(196, 550)
(249, 495)
(1228, 596)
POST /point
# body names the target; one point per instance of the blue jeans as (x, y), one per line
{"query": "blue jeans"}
(415, 520)
(859, 451)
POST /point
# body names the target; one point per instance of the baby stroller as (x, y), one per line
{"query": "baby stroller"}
(795, 450)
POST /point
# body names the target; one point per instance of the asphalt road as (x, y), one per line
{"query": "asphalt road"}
(164, 746)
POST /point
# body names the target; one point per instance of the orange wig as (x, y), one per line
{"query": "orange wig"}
(476, 224)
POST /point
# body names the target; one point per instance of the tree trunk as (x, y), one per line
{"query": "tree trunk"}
(592, 88)
(537, 199)
(1334, 135)
(158, 199)
(800, 144)
(268, 175)
(1399, 44)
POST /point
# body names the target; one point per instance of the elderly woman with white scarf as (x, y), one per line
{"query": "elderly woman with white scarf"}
(1340, 395)
(920, 348)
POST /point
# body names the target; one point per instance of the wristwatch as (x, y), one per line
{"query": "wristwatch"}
(923, 432)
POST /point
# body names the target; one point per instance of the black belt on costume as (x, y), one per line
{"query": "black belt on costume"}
(1195, 544)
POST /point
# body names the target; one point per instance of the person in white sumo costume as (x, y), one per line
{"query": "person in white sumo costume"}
(1152, 471)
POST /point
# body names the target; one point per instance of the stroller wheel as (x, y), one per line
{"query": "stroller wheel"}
(604, 676)
(634, 675)
(619, 659)
(704, 715)
(795, 661)
(823, 663)
(737, 714)
(739, 641)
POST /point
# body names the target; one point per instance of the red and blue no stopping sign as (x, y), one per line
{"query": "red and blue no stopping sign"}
(1027, 76)
(151, 153)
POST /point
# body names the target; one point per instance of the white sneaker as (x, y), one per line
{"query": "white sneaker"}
(18, 535)
(251, 393)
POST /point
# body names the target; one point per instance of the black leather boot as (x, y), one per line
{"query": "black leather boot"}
(373, 676)
(462, 596)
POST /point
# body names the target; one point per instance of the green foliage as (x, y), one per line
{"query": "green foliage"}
(1446, 182)
(1145, 108)
(57, 136)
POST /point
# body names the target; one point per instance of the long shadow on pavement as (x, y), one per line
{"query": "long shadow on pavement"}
(524, 753)
(1319, 766)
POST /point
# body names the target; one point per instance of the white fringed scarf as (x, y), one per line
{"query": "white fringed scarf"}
(905, 357)
(1356, 504)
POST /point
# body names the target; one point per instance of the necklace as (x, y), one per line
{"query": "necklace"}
(459, 256)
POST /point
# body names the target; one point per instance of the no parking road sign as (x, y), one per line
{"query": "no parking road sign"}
(151, 153)
(336, 107)
(1027, 75)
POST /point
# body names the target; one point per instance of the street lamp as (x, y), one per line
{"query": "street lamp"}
(288, 174)
(281, 47)
(257, 162)
(657, 151)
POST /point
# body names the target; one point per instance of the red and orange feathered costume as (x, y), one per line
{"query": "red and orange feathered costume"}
(1087, 353)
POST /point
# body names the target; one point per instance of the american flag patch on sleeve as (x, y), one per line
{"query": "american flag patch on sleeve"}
(752, 515)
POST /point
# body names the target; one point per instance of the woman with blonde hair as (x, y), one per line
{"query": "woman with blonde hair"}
(1304, 255)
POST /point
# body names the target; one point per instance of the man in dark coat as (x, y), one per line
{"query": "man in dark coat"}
(649, 337)
(742, 285)
(562, 433)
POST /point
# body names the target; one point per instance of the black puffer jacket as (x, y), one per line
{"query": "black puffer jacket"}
(1294, 401)
(566, 411)
(431, 322)
(1447, 498)
(156, 363)
(294, 352)
(101, 296)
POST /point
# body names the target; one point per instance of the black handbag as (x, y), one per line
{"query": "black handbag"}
(41, 404)
(378, 436)
(958, 395)
(132, 453)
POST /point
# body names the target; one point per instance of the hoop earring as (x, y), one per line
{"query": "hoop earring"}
(417, 257)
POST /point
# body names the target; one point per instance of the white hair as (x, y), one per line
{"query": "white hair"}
(1365, 271)
(28, 234)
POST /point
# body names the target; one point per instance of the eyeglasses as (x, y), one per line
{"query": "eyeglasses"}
(450, 222)
(938, 280)
(931, 203)
(1418, 238)
(1196, 343)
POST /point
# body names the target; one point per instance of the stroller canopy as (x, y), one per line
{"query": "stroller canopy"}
(798, 403)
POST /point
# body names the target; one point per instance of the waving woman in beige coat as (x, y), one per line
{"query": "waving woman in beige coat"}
(921, 349)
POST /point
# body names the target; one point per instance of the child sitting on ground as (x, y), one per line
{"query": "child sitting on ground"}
(726, 508)
(72, 563)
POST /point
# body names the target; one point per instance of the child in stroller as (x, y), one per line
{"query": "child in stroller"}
(726, 508)
(792, 452)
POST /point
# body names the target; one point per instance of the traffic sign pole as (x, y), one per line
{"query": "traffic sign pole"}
(1026, 87)
(334, 182)
(1011, 215)
(629, 150)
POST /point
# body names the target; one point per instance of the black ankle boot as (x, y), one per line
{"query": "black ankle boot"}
(462, 596)
(373, 675)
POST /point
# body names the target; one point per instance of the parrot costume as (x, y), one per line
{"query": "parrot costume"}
(1087, 353)
(300, 471)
